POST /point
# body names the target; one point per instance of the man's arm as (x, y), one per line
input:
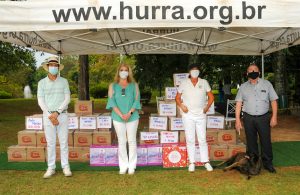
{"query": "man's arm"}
(274, 106)
(179, 103)
(238, 124)
(210, 100)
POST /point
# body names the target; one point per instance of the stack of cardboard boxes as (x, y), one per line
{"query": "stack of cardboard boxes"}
(85, 129)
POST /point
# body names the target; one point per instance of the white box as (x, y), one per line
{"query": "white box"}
(73, 122)
(149, 136)
(178, 78)
(167, 109)
(35, 123)
(170, 93)
(104, 122)
(167, 137)
(160, 123)
(215, 122)
(88, 122)
(175, 124)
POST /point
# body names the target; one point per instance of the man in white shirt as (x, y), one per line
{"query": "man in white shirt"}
(53, 97)
(191, 98)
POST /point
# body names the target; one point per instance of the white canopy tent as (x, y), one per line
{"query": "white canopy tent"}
(219, 27)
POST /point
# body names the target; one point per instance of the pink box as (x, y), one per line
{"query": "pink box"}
(104, 155)
(154, 154)
(142, 153)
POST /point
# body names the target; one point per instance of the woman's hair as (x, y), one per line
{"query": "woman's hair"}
(130, 75)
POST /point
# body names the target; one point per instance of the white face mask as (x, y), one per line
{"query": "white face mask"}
(195, 73)
(123, 74)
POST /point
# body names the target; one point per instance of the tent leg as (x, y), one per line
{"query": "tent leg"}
(262, 66)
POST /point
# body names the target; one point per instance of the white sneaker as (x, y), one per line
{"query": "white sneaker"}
(49, 173)
(131, 171)
(122, 171)
(67, 172)
(208, 167)
(192, 167)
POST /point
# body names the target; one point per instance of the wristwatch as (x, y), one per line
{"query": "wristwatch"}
(57, 112)
(131, 113)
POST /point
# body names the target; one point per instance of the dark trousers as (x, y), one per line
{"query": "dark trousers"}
(259, 125)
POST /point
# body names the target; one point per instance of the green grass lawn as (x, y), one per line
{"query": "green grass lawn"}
(12, 112)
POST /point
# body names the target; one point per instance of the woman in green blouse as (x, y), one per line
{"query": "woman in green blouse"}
(124, 100)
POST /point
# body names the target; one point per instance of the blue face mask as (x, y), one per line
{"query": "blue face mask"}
(53, 70)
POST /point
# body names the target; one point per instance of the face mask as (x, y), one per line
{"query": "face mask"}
(253, 75)
(53, 70)
(195, 73)
(123, 74)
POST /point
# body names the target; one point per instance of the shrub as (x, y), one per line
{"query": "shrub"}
(99, 90)
(5, 95)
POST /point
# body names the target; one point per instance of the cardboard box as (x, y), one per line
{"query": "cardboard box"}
(84, 154)
(175, 124)
(233, 149)
(111, 156)
(16, 153)
(88, 123)
(212, 137)
(102, 138)
(227, 137)
(170, 93)
(149, 138)
(41, 139)
(74, 154)
(104, 155)
(179, 77)
(35, 154)
(218, 152)
(216, 122)
(142, 154)
(104, 122)
(27, 138)
(34, 122)
(167, 108)
(83, 139)
(57, 158)
(158, 123)
(167, 137)
(174, 155)
(73, 123)
(84, 107)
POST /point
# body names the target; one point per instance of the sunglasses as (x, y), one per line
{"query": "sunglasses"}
(123, 92)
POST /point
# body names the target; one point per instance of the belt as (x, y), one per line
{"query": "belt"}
(256, 116)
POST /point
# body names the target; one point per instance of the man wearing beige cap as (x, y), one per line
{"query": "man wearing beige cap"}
(53, 97)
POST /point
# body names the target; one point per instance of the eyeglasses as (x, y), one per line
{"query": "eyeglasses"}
(123, 92)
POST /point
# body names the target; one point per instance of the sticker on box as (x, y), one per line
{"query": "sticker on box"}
(160, 123)
(215, 122)
(167, 109)
(178, 78)
(168, 137)
(171, 93)
(104, 122)
(34, 123)
(87, 122)
(73, 122)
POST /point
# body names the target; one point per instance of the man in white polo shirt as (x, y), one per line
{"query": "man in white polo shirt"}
(191, 98)
(53, 98)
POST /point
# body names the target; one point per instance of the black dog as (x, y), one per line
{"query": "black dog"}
(244, 163)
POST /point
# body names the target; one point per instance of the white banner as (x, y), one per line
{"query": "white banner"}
(98, 14)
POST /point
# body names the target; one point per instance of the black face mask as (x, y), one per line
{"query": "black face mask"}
(253, 75)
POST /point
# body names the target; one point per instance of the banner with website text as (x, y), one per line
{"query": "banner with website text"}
(90, 14)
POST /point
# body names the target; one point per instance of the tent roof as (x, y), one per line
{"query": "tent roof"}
(33, 24)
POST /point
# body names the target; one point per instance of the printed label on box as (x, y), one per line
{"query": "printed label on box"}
(168, 137)
(104, 122)
(171, 93)
(176, 124)
(142, 156)
(216, 122)
(97, 156)
(167, 109)
(111, 156)
(149, 136)
(87, 122)
(73, 122)
(154, 155)
(158, 123)
(178, 78)
(34, 123)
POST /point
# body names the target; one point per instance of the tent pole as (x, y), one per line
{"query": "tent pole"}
(262, 66)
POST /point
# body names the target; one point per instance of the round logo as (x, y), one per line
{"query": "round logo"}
(174, 157)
